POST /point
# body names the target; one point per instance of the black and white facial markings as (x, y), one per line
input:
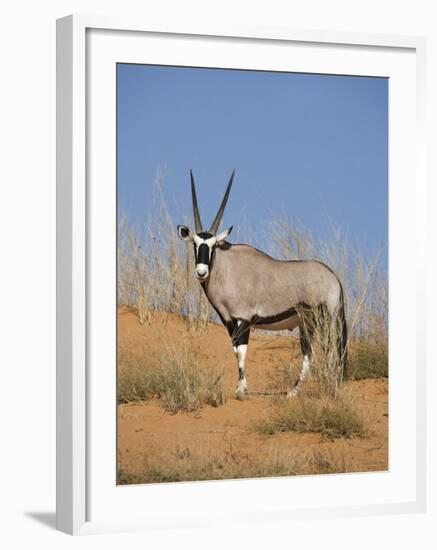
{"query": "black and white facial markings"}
(204, 245)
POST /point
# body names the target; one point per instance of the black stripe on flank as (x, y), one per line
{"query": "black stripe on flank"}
(272, 319)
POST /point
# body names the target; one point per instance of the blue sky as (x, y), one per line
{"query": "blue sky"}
(312, 147)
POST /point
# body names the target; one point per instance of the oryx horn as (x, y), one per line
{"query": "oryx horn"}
(196, 213)
(219, 215)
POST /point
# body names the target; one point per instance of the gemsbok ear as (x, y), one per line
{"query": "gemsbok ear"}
(184, 233)
(222, 236)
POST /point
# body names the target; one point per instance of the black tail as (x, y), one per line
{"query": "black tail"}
(342, 339)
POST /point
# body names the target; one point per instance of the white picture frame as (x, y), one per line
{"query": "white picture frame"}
(74, 283)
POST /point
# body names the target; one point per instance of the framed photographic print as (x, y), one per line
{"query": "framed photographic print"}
(234, 207)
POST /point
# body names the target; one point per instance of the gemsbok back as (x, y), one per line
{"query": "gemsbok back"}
(248, 288)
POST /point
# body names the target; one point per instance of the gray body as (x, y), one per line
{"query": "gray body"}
(249, 288)
(247, 284)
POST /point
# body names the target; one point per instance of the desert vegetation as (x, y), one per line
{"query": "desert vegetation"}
(176, 378)
(331, 418)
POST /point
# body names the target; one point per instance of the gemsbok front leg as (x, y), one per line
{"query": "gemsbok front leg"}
(239, 332)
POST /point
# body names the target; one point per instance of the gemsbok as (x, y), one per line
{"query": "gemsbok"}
(248, 288)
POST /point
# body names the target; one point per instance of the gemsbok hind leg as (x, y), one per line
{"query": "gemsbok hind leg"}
(306, 335)
(239, 332)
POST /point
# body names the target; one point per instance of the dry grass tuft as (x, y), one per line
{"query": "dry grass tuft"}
(136, 380)
(332, 418)
(367, 360)
(187, 386)
(177, 379)
(326, 462)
